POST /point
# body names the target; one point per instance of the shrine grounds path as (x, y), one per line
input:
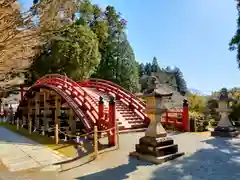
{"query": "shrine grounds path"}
(206, 158)
(19, 156)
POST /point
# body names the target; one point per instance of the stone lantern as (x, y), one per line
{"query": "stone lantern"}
(155, 146)
(224, 127)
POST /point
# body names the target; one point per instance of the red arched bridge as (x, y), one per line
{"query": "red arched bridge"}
(83, 99)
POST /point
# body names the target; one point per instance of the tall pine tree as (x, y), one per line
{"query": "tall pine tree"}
(117, 55)
(235, 41)
(181, 83)
(155, 67)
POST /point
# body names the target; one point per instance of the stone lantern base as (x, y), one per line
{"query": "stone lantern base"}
(156, 150)
(155, 146)
(229, 131)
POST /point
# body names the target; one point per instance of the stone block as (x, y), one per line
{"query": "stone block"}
(225, 132)
(156, 160)
(151, 141)
(157, 151)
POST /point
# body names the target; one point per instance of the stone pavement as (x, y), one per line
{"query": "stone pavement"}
(18, 153)
(206, 158)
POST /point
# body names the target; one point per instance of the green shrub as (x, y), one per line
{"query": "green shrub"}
(200, 129)
(205, 123)
(213, 123)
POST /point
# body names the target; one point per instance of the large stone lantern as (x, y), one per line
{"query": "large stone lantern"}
(224, 127)
(155, 146)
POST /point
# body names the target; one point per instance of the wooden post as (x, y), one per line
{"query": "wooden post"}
(117, 136)
(72, 122)
(17, 123)
(185, 116)
(95, 141)
(29, 115)
(21, 92)
(45, 110)
(37, 110)
(100, 112)
(166, 118)
(21, 117)
(57, 121)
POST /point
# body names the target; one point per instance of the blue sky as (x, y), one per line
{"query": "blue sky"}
(190, 34)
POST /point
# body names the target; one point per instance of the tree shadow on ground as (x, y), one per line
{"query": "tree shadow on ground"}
(219, 160)
(117, 173)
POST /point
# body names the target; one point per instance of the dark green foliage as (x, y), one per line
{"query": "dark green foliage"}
(141, 70)
(224, 92)
(118, 62)
(213, 123)
(74, 54)
(211, 106)
(235, 41)
(205, 123)
(95, 44)
(155, 67)
(148, 69)
(180, 81)
(235, 114)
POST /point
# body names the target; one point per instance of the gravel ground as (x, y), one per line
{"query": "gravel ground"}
(206, 158)
(28, 176)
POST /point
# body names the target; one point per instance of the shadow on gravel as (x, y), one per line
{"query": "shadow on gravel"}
(117, 173)
(219, 160)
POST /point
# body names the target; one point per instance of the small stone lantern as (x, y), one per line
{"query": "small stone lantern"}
(155, 146)
(224, 127)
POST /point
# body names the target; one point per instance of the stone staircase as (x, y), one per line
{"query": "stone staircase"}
(127, 119)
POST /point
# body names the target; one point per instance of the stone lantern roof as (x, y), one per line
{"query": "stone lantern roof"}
(226, 97)
(156, 88)
(158, 92)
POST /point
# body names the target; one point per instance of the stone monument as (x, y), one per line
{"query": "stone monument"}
(224, 127)
(155, 146)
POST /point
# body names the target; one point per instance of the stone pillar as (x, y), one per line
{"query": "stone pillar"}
(155, 146)
(56, 119)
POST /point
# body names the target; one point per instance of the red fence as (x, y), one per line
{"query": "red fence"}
(126, 97)
(177, 117)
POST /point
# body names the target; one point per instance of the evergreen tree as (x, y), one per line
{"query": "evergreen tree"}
(127, 64)
(117, 55)
(181, 83)
(155, 67)
(103, 28)
(141, 70)
(148, 69)
(235, 41)
(75, 54)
